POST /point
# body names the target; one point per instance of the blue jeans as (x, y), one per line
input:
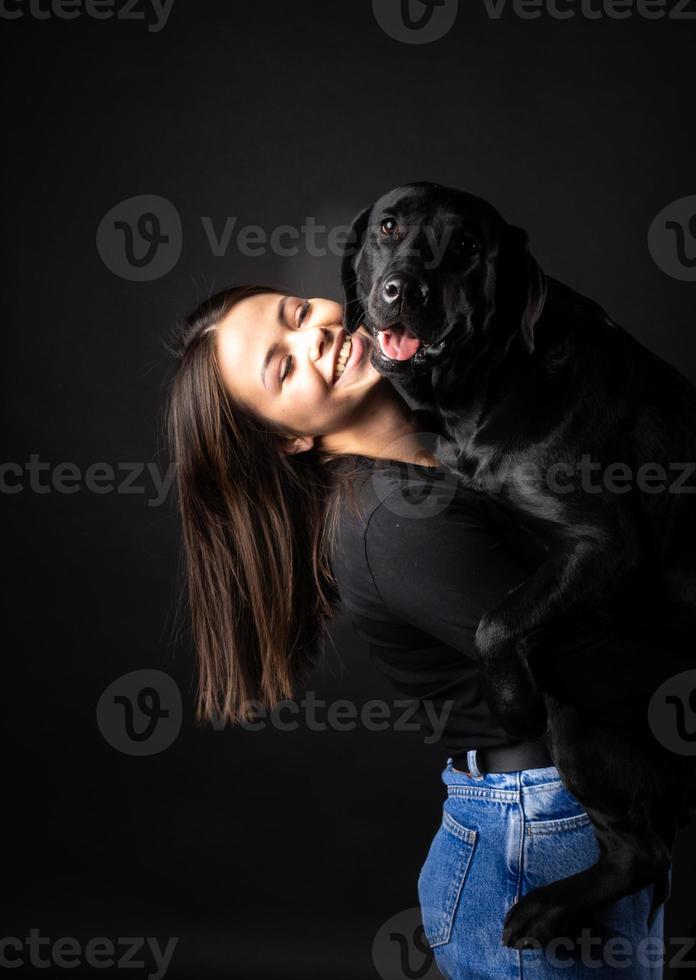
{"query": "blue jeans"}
(501, 835)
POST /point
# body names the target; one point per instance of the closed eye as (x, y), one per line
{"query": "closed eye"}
(302, 311)
(287, 368)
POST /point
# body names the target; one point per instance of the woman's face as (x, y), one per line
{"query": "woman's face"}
(282, 355)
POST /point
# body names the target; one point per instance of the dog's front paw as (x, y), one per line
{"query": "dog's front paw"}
(536, 920)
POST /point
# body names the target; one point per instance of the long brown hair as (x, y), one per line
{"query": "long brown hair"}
(257, 531)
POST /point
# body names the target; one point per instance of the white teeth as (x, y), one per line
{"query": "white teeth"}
(343, 356)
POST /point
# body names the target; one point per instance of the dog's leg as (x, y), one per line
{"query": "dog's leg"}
(579, 570)
(618, 787)
(632, 857)
(664, 822)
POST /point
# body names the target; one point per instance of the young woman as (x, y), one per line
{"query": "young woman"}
(305, 479)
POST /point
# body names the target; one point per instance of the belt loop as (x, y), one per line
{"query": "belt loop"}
(471, 764)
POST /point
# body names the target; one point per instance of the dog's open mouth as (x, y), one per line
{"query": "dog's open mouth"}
(398, 343)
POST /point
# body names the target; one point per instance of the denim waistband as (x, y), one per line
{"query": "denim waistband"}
(500, 785)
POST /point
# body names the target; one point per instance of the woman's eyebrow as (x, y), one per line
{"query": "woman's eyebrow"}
(268, 357)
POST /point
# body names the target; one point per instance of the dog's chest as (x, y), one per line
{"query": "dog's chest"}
(467, 450)
(473, 451)
(487, 437)
(507, 476)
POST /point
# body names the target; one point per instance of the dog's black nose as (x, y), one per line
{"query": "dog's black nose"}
(393, 289)
(404, 289)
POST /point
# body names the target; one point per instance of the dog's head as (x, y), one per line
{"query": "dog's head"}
(431, 268)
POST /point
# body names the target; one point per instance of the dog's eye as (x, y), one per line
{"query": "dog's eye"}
(389, 227)
(466, 245)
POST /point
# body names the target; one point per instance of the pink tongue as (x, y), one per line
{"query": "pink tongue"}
(399, 344)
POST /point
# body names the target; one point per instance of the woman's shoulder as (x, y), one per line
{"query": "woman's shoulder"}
(392, 514)
(384, 488)
(404, 507)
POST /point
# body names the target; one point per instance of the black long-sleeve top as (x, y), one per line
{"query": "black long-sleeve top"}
(416, 570)
(427, 556)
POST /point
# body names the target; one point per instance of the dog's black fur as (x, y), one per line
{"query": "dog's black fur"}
(525, 373)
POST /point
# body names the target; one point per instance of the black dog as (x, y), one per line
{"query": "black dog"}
(538, 389)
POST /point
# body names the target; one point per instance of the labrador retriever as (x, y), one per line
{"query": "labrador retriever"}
(545, 401)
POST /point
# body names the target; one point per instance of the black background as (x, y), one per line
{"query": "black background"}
(275, 854)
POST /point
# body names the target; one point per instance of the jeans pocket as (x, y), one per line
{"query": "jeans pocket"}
(556, 849)
(442, 877)
(574, 822)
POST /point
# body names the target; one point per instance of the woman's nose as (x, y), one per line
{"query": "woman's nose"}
(316, 340)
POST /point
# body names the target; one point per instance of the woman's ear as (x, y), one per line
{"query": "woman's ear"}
(353, 311)
(533, 285)
(296, 444)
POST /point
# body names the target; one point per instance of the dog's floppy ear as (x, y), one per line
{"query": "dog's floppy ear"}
(353, 312)
(533, 286)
